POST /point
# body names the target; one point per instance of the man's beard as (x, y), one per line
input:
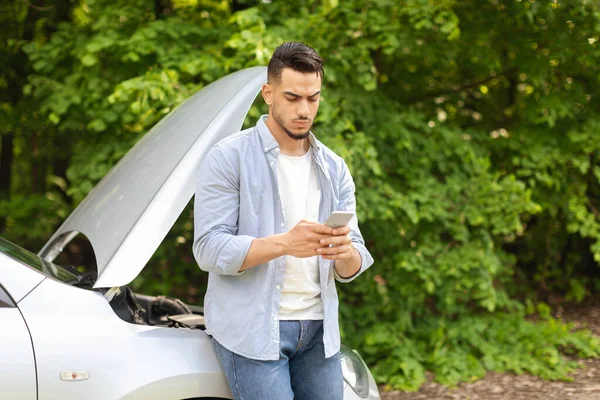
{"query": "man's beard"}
(292, 135)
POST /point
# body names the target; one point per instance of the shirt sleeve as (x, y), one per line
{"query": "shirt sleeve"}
(217, 247)
(348, 203)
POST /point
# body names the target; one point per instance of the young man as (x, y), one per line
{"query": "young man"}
(271, 306)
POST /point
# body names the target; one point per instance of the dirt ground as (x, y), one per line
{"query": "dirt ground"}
(496, 386)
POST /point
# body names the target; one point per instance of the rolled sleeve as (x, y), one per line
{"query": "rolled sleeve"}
(348, 203)
(217, 247)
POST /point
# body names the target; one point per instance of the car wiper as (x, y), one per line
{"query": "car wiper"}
(83, 281)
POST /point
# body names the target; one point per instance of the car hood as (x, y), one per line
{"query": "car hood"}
(130, 211)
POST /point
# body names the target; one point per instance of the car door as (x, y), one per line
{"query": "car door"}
(17, 362)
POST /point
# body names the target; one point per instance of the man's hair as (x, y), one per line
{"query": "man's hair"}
(297, 56)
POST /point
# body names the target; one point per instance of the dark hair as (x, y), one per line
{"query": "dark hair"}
(297, 56)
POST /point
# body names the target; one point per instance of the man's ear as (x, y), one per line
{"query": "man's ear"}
(267, 93)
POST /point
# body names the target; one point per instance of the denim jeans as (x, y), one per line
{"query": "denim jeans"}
(301, 373)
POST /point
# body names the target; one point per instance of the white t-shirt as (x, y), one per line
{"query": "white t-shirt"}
(300, 195)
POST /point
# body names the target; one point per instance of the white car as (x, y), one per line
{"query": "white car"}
(64, 335)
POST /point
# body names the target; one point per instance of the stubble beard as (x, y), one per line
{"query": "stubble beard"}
(295, 136)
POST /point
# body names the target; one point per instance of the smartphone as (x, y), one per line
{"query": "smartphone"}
(337, 219)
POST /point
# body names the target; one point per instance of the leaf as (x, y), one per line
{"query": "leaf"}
(89, 60)
(97, 125)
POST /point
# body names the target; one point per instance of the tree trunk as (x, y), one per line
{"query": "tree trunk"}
(6, 158)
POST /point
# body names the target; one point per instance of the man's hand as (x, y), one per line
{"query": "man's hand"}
(347, 259)
(304, 239)
(341, 245)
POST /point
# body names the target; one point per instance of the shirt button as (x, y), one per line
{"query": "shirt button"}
(282, 224)
(266, 149)
(277, 287)
(271, 163)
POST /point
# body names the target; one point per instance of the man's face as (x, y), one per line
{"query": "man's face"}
(293, 101)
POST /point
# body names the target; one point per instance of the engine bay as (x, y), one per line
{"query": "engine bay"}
(164, 311)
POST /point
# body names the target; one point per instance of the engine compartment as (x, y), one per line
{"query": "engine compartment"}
(164, 311)
(171, 312)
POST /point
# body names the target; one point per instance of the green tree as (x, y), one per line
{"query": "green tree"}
(29, 146)
(471, 130)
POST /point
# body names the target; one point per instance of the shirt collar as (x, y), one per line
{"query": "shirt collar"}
(268, 140)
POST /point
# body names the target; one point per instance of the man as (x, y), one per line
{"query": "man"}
(271, 306)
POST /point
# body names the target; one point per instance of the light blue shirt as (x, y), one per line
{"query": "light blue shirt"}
(237, 200)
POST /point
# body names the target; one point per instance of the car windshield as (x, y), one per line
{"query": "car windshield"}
(36, 262)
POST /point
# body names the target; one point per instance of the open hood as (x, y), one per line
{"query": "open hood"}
(130, 211)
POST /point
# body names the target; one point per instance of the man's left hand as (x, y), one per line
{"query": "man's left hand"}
(341, 245)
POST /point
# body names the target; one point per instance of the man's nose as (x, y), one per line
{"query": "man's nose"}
(303, 109)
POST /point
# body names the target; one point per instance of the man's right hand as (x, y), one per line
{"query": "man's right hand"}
(303, 240)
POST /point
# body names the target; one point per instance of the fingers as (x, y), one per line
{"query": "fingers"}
(315, 239)
(334, 257)
(336, 240)
(321, 229)
(344, 253)
(339, 251)
(344, 230)
(324, 229)
(324, 236)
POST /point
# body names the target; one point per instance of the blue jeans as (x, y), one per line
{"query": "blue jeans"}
(301, 373)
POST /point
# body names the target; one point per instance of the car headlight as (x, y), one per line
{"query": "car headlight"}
(355, 371)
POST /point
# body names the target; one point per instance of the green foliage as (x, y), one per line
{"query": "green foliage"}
(464, 349)
(471, 129)
(48, 210)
